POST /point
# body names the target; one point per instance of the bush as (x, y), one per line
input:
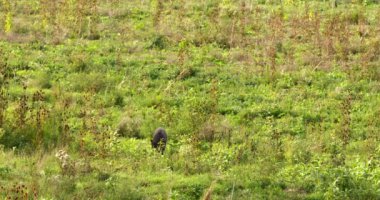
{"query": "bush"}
(130, 127)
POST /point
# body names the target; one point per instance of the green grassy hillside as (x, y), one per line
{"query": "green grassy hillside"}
(261, 99)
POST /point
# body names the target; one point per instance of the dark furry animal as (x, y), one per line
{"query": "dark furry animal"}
(159, 140)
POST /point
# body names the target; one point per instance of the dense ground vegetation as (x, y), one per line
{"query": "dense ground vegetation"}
(261, 99)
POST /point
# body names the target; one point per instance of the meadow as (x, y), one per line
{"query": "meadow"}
(261, 99)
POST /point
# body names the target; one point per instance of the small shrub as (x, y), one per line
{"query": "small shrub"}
(88, 82)
(119, 100)
(130, 127)
(66, 163)
(159, 42)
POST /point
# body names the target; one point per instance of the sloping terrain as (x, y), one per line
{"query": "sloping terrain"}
(260, 99)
